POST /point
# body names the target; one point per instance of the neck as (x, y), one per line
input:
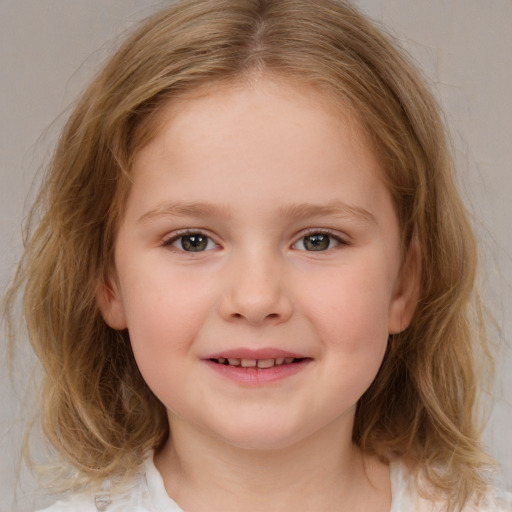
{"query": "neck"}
(323, 473)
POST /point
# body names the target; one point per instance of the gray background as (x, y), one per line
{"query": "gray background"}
(50, 48)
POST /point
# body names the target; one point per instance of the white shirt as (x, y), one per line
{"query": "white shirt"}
(147, 494)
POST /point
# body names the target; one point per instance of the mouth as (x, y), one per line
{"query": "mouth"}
(257, 367)
(263, 364)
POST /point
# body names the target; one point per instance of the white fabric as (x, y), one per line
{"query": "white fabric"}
(148, 494)
(405, 496)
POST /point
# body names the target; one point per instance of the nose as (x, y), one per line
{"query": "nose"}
(255, 291)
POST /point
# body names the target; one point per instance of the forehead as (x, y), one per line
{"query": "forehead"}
(258, 145)
(221, 93)
(296, 111)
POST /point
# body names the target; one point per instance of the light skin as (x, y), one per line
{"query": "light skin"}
(297, 249)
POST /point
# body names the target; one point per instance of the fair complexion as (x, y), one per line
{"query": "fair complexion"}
(259, 273)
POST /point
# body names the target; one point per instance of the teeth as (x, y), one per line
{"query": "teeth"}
(253, 363)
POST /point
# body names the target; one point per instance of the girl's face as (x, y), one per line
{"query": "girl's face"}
(258, 265)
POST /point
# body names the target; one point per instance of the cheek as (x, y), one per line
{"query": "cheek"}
(354, 301)
(350, 313)
(164, 315)
(163, 324)
(355, 335)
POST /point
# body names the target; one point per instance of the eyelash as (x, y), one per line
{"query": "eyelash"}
(169, 242)
(309, 233)
(323, 232)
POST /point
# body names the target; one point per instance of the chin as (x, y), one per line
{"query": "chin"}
(260, 437)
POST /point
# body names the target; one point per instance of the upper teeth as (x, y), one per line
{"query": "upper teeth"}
(252, 363)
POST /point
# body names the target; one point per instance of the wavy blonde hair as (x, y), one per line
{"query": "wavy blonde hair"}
(97, 410)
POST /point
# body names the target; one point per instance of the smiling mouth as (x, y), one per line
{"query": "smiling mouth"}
(257, 363)
(255, 368)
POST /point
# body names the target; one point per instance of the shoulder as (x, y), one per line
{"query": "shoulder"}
(81, 502)
(95, 502)
(496, 501)
(104, 497)
(145, 492)
(406, 496)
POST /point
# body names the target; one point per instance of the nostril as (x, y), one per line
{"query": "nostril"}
(270, 316)
(256, 309)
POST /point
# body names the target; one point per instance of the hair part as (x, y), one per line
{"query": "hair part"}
(98, 412)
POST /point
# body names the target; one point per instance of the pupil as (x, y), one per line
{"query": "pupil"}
(316, 242)
(194, 243)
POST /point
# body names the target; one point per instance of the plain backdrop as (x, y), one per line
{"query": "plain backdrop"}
(49, 49)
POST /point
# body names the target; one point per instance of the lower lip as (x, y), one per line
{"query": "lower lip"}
(255, 376)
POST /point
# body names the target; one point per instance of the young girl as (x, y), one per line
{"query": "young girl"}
(251, 287)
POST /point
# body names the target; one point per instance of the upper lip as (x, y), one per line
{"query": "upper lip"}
(256, 354)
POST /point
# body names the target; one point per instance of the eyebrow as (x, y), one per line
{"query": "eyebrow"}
(292, 211)
(334, 208)
(182, 208)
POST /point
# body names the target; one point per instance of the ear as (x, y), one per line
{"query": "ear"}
(109, 300)
(406, 291)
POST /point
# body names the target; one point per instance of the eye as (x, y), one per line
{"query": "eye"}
(317, 241)
(192, 242)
